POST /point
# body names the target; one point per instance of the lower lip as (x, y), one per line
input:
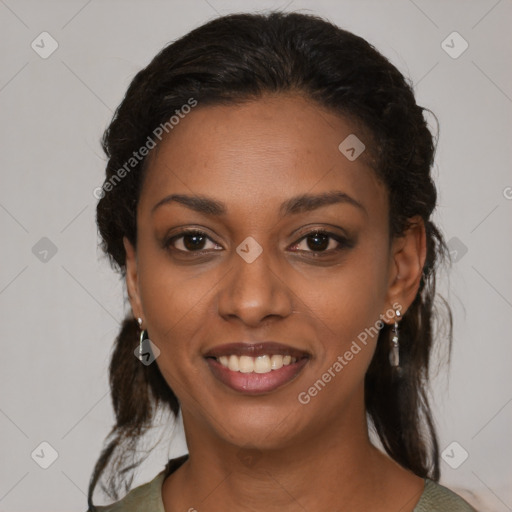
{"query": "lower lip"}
(256, 383)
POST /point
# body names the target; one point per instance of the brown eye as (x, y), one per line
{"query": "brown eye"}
(193, 242)
(321, 242)
(190, 241)
(318, 241)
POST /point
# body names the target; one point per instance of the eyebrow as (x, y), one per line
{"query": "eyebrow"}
(298, 204)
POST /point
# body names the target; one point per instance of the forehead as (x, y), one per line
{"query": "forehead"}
(258, 152)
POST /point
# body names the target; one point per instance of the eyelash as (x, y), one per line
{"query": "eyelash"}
(344, 243)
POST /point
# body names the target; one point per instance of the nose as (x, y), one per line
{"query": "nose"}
(253, 291)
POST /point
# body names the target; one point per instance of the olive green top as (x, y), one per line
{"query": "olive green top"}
(148, 497)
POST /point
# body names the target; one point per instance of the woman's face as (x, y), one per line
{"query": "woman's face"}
(255, 276)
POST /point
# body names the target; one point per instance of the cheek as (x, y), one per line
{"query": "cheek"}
(171, 293)
(348, 326)
(347, 307)
(351, 297)
(174, 307)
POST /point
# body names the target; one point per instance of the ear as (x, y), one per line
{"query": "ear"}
(132, 281)
(408, 254)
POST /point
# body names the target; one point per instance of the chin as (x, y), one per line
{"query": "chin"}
(264, 428)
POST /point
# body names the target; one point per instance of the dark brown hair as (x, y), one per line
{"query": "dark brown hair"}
(238, 58)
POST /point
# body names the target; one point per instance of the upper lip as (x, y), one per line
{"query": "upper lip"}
(255, 349)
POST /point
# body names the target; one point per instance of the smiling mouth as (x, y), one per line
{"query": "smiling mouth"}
(260, 364)
(256, 368)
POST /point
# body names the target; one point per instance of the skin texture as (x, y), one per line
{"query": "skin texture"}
(253, 157)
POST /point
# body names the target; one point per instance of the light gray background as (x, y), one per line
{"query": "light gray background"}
(59, 317)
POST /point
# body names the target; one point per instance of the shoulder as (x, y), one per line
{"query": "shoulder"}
(145, 498)
(437, 498)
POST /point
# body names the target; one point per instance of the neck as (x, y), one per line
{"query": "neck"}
(320, 471)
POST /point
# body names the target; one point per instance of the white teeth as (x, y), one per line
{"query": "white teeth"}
(276, 362)
(245, 364)
(233, 363)
(260, 364)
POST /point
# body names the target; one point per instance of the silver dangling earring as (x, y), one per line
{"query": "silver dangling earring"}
(394, 354)
(141, 339)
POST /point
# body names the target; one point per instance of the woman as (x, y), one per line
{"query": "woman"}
(268, 201)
